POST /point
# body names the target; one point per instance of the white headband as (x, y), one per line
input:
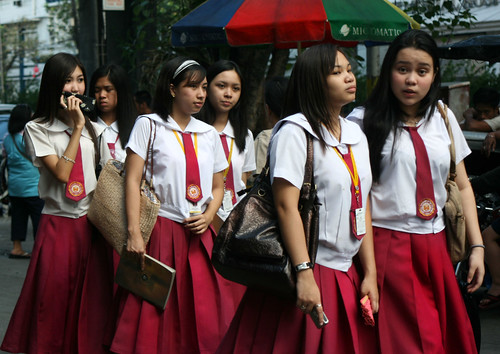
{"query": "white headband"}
(184, 65)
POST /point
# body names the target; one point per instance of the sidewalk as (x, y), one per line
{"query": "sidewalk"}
(12, 272)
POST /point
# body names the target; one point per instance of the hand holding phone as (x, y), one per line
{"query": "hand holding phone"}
(315, 317)
(87, 105)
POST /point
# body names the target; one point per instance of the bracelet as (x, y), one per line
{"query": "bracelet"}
(68, 159)
(478, 245)
(303, 266)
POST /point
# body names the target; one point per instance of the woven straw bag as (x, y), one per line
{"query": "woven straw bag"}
(107, 209)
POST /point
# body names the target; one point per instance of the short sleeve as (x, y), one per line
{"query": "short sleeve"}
(220, 161)
(462, 149)
(288, 153)
(139, 137)
(38, 143)
(249, 164)
(494, 123)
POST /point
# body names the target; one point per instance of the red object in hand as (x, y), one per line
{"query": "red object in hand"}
(366, 311)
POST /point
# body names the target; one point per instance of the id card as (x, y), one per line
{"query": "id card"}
(360, 221)
(194, 209)
(227, 201)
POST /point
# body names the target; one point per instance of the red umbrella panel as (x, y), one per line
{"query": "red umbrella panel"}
(285, 23)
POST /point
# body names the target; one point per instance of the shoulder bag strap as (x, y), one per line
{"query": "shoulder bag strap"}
(23, 154)
(453, 171)
(149, 153)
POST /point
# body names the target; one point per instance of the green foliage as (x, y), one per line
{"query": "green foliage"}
(440, 20)
(62, 22)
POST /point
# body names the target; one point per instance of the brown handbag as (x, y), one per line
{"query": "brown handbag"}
(107, 209)
(249, 249)
(456, 236)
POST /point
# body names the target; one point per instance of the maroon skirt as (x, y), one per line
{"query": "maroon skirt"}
(45, 319)
(267, 324)
(199, 309)
(97, 296)
(421, 308)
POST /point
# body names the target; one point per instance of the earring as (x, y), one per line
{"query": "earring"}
(173, 95)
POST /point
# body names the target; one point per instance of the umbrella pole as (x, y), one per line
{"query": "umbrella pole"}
(299, 48)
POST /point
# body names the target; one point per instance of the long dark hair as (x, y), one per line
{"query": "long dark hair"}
(383, 113)
(207, 114)
(55, 72)
(163, 100)
(125, 108)
(19, 116)
(307, 91)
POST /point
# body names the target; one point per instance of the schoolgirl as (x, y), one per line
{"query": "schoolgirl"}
(223, 112)
(320, 84)
(62, 143)
(421, 308)
(189, 163)
(116, 114)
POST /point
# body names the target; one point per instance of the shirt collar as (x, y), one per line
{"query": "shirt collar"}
(228, 130)
(350, 132)
(113, 126)
(59, 126)
(194, 125)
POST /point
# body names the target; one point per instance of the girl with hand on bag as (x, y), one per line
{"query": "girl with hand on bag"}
(421, 308)
(116, 114)
(189, 163)
(62, 144)
(321, 83)
(223, 112)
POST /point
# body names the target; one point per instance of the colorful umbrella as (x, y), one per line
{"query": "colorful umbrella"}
(285, 23)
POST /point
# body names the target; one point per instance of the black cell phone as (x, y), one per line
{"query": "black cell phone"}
(315, 317)
(87, 105)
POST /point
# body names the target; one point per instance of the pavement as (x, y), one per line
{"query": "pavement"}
(13, 271)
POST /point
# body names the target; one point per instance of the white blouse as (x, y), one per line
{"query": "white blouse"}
(288, 152)
(111, 135)
(42, 140)
(169, 162)
(394, 196)
(242, 161)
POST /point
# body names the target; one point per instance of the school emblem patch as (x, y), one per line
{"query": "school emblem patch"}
(193, 191)
(75, 188)
(426, 207)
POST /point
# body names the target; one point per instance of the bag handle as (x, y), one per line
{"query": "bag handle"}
(453, 171)
(149, 154)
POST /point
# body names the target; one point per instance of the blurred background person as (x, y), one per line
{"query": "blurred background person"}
(485, 116)
(274, 95)
(22, 183)
(142, 100)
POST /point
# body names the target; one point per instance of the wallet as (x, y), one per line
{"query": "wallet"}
(153, 284)
(366, 311)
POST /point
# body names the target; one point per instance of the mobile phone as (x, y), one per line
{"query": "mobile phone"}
(315, 317)
(87, 105)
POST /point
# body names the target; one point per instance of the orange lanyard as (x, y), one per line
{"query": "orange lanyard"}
(182, 145)
(353, 172)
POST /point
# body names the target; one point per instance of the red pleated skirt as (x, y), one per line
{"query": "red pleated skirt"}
(45, 319)
(421, 308)
(97, 296)
(199, 309)
(267, 324)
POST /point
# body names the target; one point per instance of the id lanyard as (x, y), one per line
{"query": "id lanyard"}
(357, 212)
(182, 145)
(229, 156)
(112, 147)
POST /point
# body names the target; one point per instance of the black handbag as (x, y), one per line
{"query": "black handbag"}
(249, 249)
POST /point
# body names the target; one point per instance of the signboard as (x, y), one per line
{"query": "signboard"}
(113, 5)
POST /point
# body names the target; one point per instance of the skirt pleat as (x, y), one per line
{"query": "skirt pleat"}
(45, 319)
(421, 308)
(265, 323)
(201, 303)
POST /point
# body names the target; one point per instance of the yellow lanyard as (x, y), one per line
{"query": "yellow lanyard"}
(353, 173)
(229, 158)
(182, 145)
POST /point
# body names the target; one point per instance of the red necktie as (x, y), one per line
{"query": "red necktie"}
(112, 149)
(193, 189)
(75, 188)
(228, 179)
(426, 203)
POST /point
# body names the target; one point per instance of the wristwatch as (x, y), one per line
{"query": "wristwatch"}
(303, 266)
